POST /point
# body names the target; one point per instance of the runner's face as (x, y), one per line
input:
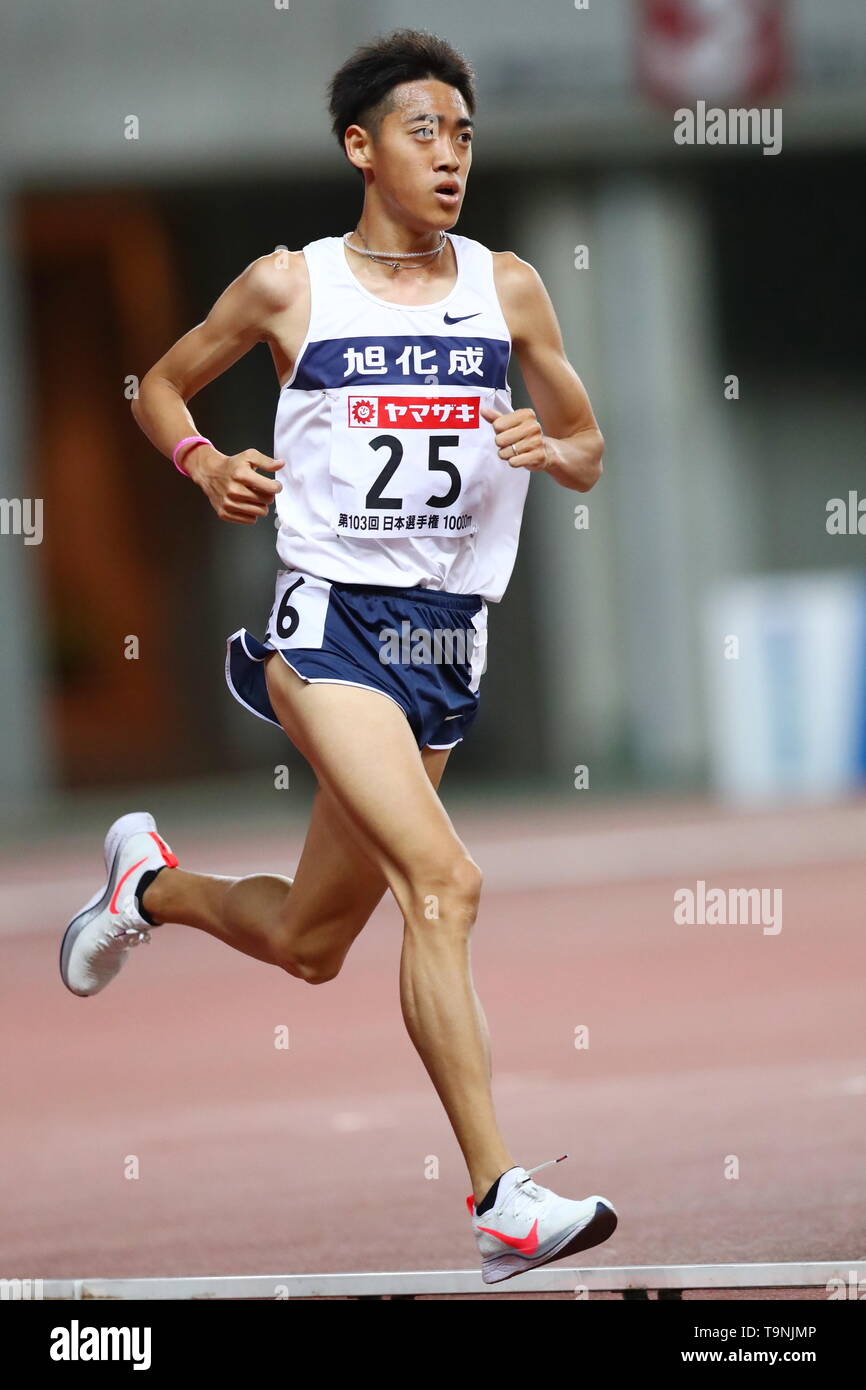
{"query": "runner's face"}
(426, 141)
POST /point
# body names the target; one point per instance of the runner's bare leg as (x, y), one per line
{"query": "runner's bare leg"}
(305, 924)
(380, 783)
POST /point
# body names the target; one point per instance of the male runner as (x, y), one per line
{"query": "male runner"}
(404, 474)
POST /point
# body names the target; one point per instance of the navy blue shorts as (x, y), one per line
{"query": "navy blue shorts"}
(422, 648)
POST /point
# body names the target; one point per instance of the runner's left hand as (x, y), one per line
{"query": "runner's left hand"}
(523, 428)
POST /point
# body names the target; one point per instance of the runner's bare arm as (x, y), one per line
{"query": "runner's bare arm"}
(570, 441)
(243, 315)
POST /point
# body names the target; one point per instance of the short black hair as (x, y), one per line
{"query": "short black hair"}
(358, 93)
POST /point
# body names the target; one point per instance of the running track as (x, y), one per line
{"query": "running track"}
(705, 1042)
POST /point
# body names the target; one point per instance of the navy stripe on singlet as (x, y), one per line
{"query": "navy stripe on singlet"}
(328, 364)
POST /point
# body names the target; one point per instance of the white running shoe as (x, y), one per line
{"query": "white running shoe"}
(530, 1226)
(97, 940)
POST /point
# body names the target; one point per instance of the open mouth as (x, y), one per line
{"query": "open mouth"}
(449, 192)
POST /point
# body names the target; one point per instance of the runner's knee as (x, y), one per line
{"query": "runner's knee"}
(314, 968)
(319, 971)
(314, 951)
(446, 890)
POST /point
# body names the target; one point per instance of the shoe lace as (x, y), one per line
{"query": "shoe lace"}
(526, 1188)
(125, 930)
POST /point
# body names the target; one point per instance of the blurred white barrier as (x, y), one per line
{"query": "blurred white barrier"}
(785, 666)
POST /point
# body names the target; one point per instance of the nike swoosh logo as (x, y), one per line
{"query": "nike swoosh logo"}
(527, 1245)
(449, 319)
(112, 906)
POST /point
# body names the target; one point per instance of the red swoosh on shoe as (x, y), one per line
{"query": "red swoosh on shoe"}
(527, 1245)
(112, 906)
(170, 859)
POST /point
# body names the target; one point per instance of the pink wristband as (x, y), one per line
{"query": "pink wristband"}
(190, 439)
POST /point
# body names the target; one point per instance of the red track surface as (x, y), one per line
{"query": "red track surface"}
(705, 1042)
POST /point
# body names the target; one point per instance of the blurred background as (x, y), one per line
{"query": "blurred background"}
(707, 295)
(693, 638)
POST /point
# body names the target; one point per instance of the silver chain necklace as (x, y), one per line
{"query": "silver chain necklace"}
(393, 258)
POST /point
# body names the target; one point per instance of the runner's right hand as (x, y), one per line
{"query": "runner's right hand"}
(231, 484)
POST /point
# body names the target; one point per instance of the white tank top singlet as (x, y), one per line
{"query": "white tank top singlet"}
(392, 476)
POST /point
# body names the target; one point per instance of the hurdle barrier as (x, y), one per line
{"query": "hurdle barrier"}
(842, 1279)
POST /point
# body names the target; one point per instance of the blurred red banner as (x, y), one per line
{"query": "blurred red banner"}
(721, 50)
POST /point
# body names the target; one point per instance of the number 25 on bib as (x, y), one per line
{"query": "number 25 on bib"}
(404, 463)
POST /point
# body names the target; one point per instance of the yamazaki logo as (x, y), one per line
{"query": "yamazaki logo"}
(413, 412)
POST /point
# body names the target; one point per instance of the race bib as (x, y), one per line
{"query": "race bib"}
(300, 609)
(409, 463)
